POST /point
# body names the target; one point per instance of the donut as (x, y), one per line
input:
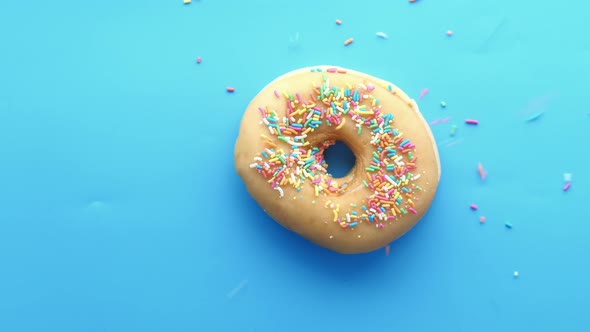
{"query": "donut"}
(279, 155)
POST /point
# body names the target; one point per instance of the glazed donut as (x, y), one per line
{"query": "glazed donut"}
(279, 155)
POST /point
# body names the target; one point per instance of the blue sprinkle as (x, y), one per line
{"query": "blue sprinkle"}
(352, 224)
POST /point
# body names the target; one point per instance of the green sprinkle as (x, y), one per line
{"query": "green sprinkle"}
(353, 205)
(418, 187)
(282, 138)
(403, 211)
(453, 130)
(369, 169)
(359, 130)
(443, 104)
(410, 155)
(375, 155)
(365, 183)
(324, 77)
(282, 160)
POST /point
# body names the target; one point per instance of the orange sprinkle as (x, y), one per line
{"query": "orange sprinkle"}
(348, 41)
(482, 219)
(338, 22)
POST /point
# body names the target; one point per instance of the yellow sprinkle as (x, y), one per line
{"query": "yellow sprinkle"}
(286, 95)
(327, 203)
(306, 131)
(317, 192)
(335, 215)
(341, 123)
(186, 2)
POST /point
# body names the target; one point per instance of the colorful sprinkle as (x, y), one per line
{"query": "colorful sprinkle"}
(449, 33)
(423, 93)
(338, 22)
(473, 207)
(567, 186)
(471, 122)
(186, 2)
(199, 60)
(348, 41)
(481, 171)
(443, 104)
(387, 250)
(453, 130)
(567, 177)
(508, 224)
(515, 274)
(482, 219)
(230, 89)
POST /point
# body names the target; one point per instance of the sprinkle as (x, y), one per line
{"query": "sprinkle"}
(423, 93)
(453, 130)
(473, 207)
(471, 122)
(186, 2)
(515, 274)
(482, 219)
(449, 33)
(381, 35)
(341, 123)
(230, 89)
(199, 60)
(338, 22)
(387, 250)
(567, 177)
(443, 104)
(280, 190)
(534, 117)
(481, 171)
(277, 94)
(508, 224)
(567, 186)
(348, 41)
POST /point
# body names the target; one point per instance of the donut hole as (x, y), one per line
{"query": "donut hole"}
(340, 159)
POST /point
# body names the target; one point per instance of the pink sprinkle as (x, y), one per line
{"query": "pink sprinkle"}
(262, 111)
(445, 120)
(449, 33)
(423, 93)
(331, 70)
(230, 89)
(277, 94)
(370, 87)
(473, 207)
(471, 122)
(199, 60)
(435, 122)
(567, 186)
(412, 210)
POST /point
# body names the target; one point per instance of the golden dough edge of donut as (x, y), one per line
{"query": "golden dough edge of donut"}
(261, 192)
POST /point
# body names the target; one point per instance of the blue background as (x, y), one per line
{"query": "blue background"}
(120, 209)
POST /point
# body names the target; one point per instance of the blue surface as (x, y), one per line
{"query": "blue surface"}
(120, 209)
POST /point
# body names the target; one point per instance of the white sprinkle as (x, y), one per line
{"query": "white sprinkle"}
(266, 122)
(348, 217)
(257, 159)
(416, 177)
(280, 190)
(381, 35)
(331, 236)
(253, 165)
(515, 274)
(364, 87)
(567, 177)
